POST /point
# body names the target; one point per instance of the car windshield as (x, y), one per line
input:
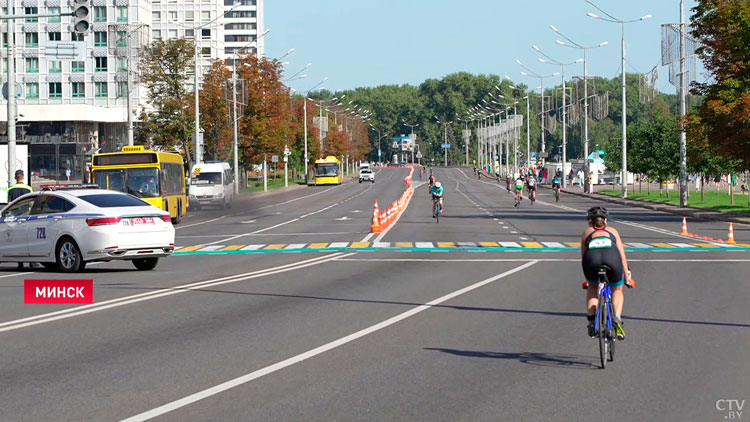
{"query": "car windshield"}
(326, 170)
(206, 179)
(140, 182)
(366, 172)
(112, 200)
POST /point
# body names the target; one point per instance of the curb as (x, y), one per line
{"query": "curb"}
(672, 209)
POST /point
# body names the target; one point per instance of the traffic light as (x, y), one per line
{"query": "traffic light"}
(81, 16)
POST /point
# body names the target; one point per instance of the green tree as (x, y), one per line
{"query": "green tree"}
(654, 143)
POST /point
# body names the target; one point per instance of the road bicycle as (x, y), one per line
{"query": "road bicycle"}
(603, 323)
(438, 209)
(556, 192)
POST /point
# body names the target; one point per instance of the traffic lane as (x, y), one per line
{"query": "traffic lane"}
(152, 352)
(516, 349)
(255, 222)
(120, 279)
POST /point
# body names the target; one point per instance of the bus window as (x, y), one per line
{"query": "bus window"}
(326, 170)
(110, 179)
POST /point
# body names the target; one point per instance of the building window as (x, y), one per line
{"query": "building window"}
(240, 14)
(206, 51)
(100, 39)
(173, 16)
(122, 64)
(101, 89)
(54, 36)
(32, 39)
(241, 2)
(100, 13)
(53, 10)
(189, 16)
(250, 26)
(172, 33)
(31, 11)
(78, 67)
(32, 90)
(55, 67)
(189, 33)
(101, 64)
(122, 89)
(122, 39)
(156, 16)
(206, 34)
(75, 36)
(55, 90)
(32, 65)
(206, 15)
(122, 13)
(239, 38)
(78, 89)
(156, 33)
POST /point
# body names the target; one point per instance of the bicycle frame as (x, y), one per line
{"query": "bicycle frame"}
(606, 292)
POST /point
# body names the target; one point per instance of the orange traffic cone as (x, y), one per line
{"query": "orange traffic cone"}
(684, 231)
(375, 228)
(730, 236)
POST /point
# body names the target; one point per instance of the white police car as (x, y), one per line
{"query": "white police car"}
(65, 229)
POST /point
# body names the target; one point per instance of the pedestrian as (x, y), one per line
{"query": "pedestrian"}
(67, 173)
(19, 189)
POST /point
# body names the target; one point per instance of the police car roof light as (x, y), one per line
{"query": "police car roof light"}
(70, 186)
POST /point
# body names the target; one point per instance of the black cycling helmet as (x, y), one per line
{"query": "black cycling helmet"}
(596, 212)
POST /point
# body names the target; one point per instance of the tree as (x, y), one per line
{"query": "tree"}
(723, 28)
(654, 145)
(216, 112)
(166, 122)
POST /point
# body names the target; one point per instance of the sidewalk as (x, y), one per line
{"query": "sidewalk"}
(692, 212)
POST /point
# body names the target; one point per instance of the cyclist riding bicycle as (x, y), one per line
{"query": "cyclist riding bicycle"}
(437, 195)
(519, 189)
(531, 186)
(430, 182)
(602, 245)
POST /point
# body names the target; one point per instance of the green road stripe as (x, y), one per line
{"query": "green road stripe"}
(439, 249)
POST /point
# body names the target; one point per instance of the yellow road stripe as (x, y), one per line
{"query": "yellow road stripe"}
(446, 245)
(573, 244)
(490, 244)
(190, 248)
(232, 247)
(746, 245)
(662, 245)
(275, 246)
(317, 245)
(705, 245)
(404, 245)
(360, 244)
(532, 245)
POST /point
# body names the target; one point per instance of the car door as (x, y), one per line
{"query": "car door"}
(13, 223)
(45, 224)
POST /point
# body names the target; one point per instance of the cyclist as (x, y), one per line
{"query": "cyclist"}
(531, 187)
(508, 181)
(437, 195)
(519, 189)
(557, 184)
(421, 172)
(602, 245)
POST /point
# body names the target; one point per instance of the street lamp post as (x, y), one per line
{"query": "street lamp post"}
(622, 23)
(585, 49)
(306, 159)
(412, 137)
(564, 107)
(541, 78)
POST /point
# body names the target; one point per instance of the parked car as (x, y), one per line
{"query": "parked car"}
(66, 229)
(366, 175)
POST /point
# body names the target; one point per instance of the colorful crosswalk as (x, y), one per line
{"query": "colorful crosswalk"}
(444, 246)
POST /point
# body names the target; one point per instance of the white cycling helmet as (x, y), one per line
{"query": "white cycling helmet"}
(438, 185)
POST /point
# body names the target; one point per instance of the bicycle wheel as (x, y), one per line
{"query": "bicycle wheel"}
(437, 212)
(603, 332)
(612, 339)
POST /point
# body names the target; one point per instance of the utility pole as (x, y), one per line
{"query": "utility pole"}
(683, 110)
(11, 97)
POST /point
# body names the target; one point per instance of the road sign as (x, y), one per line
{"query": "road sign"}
(544, 154)
(419, 155)
(274, 158)
(379, 153)
(533, 155)
(286, 151)
(445, 146)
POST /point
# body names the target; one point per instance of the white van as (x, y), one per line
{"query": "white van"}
(211, 183)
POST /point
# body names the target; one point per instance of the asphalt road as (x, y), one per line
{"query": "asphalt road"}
(243, 325)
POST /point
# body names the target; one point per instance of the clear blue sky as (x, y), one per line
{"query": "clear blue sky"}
(373, 42)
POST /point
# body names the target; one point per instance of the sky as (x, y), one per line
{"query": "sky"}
(361, 43)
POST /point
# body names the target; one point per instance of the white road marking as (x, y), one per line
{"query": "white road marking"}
(255, 232)
(554, 245)
(252, 247)
(381, 244)
(638, 245)
(185, 401)
(338, 245)
(249, 221)
(344, 218)
(296, 246)
(212, 248)
(127, 300)
(423, 245)
(198, 224)
(509, 244)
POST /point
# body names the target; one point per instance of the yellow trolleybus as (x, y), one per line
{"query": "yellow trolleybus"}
(156, 177)
(328, 171)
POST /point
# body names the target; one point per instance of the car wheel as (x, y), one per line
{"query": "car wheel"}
(360, 180)
(176, 220)
(145, 264)
(68, 255)
(50, 265)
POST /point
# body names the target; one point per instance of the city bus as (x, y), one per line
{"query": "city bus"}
(156, 177)
(328, 171)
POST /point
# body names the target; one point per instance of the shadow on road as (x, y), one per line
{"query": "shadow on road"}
(540, 359)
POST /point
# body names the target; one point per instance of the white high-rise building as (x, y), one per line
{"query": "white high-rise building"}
(76, 102)
(242, 26)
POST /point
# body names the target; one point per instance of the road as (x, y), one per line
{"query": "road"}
(286, 308)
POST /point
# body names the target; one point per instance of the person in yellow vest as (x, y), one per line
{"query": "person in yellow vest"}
(19, 189)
